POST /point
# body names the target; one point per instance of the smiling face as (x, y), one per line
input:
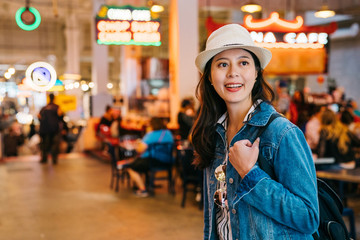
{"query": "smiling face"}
(233, 76)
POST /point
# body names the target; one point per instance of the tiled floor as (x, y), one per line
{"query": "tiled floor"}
(72, 200)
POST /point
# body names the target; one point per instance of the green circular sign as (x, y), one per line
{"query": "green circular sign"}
(27, 19)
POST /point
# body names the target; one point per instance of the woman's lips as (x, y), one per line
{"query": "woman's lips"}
(233, 87)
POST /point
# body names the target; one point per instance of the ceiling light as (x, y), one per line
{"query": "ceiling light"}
(84, 87)
(324, 12)
(11, 70)
(7, 75)
(157, 8)
(109, 85)
(251, 7)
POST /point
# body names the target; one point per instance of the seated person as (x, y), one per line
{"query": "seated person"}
(312, 127)
(337, 141)
(107, 118)
(186, 118)
(158, 134)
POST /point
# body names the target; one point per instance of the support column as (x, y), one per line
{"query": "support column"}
(183, 49)
(130, 75)
(99, 69)
(72, 35)
(100, 66)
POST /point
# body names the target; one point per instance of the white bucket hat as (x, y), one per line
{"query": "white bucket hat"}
(228, 37)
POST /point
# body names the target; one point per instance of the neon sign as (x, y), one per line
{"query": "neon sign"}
(284, 34)
(273, 19)
(290, 40)
(127, 25)
(28, 18)
(127, 14)
(296, 48)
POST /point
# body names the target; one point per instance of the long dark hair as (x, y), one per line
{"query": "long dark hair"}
(212, 107)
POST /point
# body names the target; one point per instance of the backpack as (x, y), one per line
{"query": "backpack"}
(332, 226)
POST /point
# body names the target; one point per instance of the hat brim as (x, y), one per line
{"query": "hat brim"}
(262, 54)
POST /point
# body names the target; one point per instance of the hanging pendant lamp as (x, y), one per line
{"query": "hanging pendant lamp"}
(251, 7)
(324, 12)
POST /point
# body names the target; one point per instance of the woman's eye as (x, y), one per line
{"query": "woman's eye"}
(244, 63)
(222, 64)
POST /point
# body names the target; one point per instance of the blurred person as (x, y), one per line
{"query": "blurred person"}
(349, 119)
(64, 133)
(298, 112)
(338, 95)
(337, 141)
(185, 118)
(346, 117)
(354, 107)
(158, 134)
(312, 128)
(13, 140)
(9, 105)
(283, 101)
(103, 129)
(32, 130)
(241, 201)
(351, 106)
(107, 118)
(50, 130)
(115, 128)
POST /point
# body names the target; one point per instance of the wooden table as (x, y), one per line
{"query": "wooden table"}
(346, 175)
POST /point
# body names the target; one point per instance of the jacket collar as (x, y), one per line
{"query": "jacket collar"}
(262, 114)
(258, 114)
(223, 119)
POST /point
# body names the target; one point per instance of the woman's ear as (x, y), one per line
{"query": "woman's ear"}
(257, 73)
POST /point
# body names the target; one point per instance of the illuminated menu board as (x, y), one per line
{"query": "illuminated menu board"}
(127, 25)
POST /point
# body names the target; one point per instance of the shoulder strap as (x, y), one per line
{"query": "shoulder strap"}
(272, 117)
(263, 163)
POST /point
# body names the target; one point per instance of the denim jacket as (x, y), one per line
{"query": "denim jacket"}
(260, 207)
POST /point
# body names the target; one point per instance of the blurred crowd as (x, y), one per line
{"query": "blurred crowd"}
(20, 138)
(330, 122)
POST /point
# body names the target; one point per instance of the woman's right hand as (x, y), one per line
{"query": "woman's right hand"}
(243, 155)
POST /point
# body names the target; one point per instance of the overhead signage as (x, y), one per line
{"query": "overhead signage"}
(28, 18)
(285, 34)
(290, 40)
(127, 25)
(66, 102)
(296, 48)
(40, 76)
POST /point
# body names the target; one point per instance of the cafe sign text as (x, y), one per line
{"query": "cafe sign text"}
(127, 25)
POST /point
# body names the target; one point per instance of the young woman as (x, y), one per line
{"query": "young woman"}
(241, 201)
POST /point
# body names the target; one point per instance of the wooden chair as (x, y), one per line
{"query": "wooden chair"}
(117, 154)
(190, 176)
(115, 174)
(162, 152)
